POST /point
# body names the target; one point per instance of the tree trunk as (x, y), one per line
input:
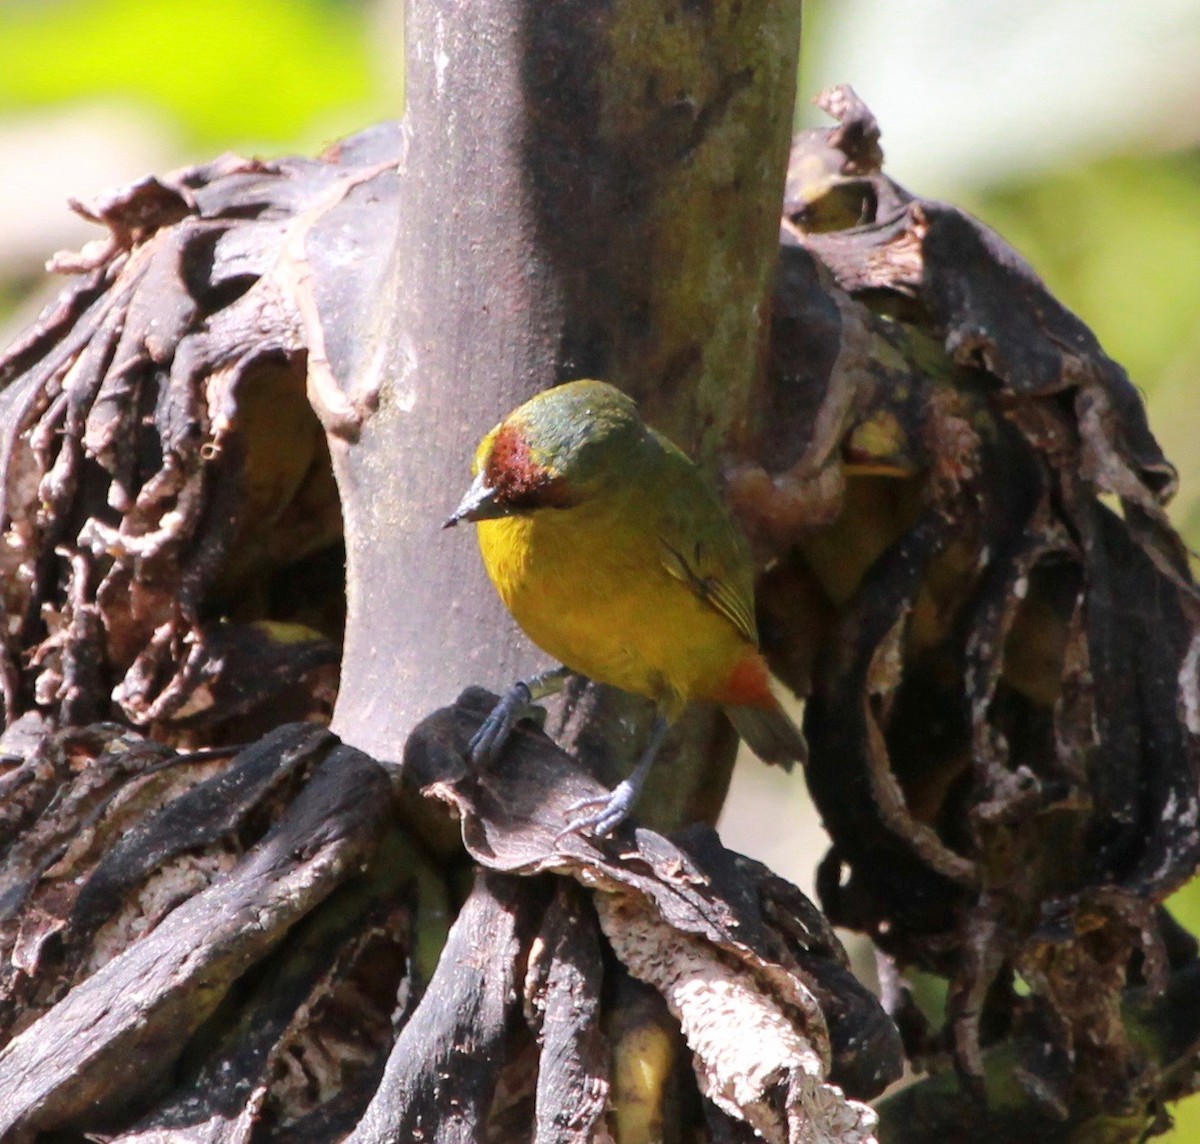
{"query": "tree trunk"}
(586, 192)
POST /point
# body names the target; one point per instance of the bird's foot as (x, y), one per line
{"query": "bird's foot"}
(495, 730)
(487, 743)
(610, 810)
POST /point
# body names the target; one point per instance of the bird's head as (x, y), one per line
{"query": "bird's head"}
(557, 450)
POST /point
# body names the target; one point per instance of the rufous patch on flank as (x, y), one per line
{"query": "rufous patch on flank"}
(749, 684)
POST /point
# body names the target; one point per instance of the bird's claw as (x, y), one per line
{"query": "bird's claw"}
(495, 730)
(610, 811)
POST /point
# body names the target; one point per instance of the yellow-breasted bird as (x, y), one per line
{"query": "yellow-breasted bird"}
(615, 554)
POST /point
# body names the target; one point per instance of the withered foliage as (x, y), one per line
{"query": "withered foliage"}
(162, 468)
(1003, 711)
(968, 572)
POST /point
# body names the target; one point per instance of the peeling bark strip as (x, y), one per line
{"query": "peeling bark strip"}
(442, 1073)
(692, 920)
(131, 832)
(562, 993)
(745, 1046)
(117, 1033)
(112, 939)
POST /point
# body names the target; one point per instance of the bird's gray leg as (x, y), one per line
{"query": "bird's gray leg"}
(613, 808)
(494, 731)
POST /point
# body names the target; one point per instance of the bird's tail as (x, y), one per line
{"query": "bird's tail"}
(770, 734)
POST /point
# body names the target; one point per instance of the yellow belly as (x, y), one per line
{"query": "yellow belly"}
(593, 593)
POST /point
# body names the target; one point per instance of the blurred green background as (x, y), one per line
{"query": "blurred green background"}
(1071, 126)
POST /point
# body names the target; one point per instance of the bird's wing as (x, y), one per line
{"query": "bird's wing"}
(710, 587)
(699, 545)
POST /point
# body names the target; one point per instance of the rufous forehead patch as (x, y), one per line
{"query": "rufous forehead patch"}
(519, 479)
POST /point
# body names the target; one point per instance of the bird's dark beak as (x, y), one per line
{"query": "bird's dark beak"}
(478, 504)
